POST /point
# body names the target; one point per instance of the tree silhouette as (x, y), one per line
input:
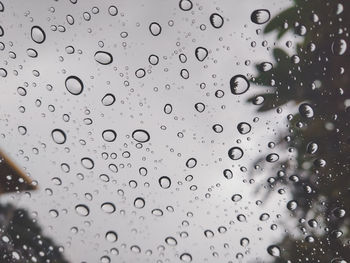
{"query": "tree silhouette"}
(317, 79)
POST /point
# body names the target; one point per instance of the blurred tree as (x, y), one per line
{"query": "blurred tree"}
(317, 79)
(21, 238)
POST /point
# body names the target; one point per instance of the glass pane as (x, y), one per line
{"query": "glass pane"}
(174, 131)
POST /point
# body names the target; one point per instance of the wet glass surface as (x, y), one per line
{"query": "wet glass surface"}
(174, 131)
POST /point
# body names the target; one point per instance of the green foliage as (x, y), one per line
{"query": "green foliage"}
(318, 73)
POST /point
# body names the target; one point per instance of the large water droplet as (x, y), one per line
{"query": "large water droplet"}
(244, 127)
(191, 163)
(239, 84)
(339, 47)
(38, 34)
(111, 236)
(274, 251)
(108, 207)
(185, 5)
(311, 148)
(155, 29)
(141, 136)
(260, 16)
(109, 135)
(236, 197)
(164, 182)
(306, 110)
(139, 203)
(74, 85)
(272, 157)
(82, 210)
(108, 99)
(103, 57)
(185, 257)
(216, 20)
(201, 53)
(87, 163)
(235, 153)
(58, 136)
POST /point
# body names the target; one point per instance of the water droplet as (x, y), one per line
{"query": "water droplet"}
(171, 241)
(260, 16)
(32, 53)
(272, 157)
(339, 212)
(74, 85)
(108, 207)
(108, 99)
(184, 73)
(3, 72)
(264, 217)
(200, 107)
(109, 135)
(164, 182)
(111, 236)
(239, 84)
(216, 20)
(292, 205)
(139, 203)
(218, 128)
(58, 136)
(339, 47)
(274, 251)
(153, 60)
(311, 148)
(168, 108)
(244, 242)
(113, 10)
(87, 163)
(228, 174)
(38, 34)
(155, 29)
(82, 210)
(191, 163)
(236, 197)
(244, 127)
(141, 136)
(103, 57)
(185, 5)
(306, 110)
(201, 53)
(140, 73)
(185, 257)
(235, 153)
(265, 66)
